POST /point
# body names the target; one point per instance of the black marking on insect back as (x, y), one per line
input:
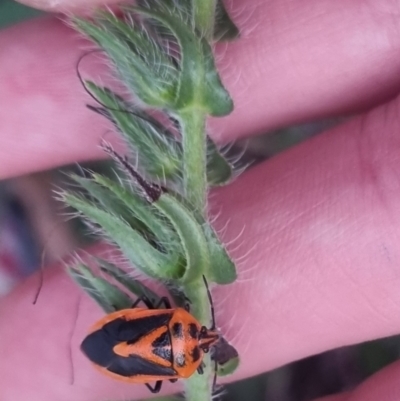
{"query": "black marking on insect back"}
(195, 354)
(136, 365)
(98, 346)
(180, 360)
(177, 330)
(193, 330)
(164, 353)
(162, 341)
(131, 330)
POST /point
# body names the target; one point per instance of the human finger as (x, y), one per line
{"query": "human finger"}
(383, 386)
(314, 232)
(294, 62)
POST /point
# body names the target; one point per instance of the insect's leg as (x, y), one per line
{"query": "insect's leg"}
(215, 376)
(135, 304)
(200, 369)
(173, 380)
(156, 388)
(151, 305)
(145, 300)
(187, 304)
(211, 303)
(165, 301)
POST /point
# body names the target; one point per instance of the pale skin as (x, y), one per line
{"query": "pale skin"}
(321, 222)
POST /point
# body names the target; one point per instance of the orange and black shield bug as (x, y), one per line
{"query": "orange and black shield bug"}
(140, 345)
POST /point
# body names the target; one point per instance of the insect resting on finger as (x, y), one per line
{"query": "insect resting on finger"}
(140, 345)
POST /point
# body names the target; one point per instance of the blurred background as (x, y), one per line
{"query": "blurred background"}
(34, 231)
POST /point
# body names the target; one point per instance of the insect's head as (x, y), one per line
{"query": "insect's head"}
(207, 338)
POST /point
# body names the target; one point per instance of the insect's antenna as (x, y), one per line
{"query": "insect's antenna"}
(71, 334)
(41, 279)
(215, 375)
(211, 303)
(79, 75)
(41, 271)
(42, 259)
(82, 81)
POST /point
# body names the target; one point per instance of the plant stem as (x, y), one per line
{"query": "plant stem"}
(194, 157)
(204, 16)
(197, 388)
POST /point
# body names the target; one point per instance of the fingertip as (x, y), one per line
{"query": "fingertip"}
(43, 340)
(44, 120)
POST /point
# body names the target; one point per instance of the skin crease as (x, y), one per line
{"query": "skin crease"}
(320, 223)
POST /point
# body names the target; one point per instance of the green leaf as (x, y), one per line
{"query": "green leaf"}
(190, 233)
(162, 232)
(222, 269)
(219, 171)
(107, 296)
(226, 356)
(229, 367)
(136, 248)
(132, 285)
(111, 203)
(182, 219)
(224, 28)
(214, 94)
(158, 152)
(200, 86)
(140, 61)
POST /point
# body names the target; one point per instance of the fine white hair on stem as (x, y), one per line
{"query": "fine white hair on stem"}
(218, 392)
(83, 172)
(215, 216)
(235, 240)
(239, 331)
(163, 177)
(243, 15)
(222, 230)
(234, 156)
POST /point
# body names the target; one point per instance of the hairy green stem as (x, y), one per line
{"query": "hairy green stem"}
(198, 387)
(194, 157)
(204, 16)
